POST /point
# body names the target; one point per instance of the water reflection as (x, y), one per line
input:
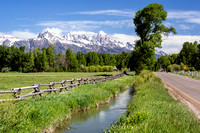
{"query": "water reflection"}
(97, 119)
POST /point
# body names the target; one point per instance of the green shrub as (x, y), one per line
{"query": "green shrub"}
(91, 69)
(5, 69)
(110, 68)
(96, 69)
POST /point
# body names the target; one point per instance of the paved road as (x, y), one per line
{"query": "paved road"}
(186, 88)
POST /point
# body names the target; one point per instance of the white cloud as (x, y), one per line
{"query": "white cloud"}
(194, 20)
(1, 34)
(20, 34)
(183, 27)
(109, 12)
(68, 26)
(125, 38)
(82, 32)
(171, 44)
(55, 31)
(23, 34)
(183, 14)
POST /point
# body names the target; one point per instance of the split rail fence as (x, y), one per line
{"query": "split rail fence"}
(51, 86)
(188, 73)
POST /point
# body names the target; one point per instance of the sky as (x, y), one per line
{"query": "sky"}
(27, 18)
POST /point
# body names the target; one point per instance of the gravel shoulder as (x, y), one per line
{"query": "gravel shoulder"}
(184, 89)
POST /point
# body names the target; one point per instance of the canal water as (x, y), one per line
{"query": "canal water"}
(98, 119)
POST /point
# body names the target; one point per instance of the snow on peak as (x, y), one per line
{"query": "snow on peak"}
(53, 31)
(102, 33)
(8, 40)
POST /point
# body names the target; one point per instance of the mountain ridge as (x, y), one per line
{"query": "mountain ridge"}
(76, 41)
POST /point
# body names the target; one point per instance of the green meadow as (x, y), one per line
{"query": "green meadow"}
(40, 113)
(16, 80)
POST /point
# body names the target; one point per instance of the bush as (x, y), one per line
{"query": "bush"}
(174, 67)
(97, 68)
(145, 76)
(91, 69)
(110, 68)
(5, 69)
(86, 69)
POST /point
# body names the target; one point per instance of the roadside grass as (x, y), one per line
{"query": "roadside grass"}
(36, 115)
(152, 109)
(15, 80)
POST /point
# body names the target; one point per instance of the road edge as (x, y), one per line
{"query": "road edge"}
(192, 104)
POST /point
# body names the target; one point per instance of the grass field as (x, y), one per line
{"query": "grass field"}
(36, 115)
(152, 109)
(15, 80)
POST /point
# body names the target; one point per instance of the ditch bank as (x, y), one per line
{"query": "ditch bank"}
(153, 109)
(35, 115)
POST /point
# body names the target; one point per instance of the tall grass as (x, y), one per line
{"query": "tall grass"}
(35, 115)
(152, 109)
(16, 80)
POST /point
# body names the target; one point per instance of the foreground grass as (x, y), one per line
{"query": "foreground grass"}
(152, 109)
(35, 115)
(15, 80)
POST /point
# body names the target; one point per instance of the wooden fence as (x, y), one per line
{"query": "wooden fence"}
(65, 85)
(188, 73)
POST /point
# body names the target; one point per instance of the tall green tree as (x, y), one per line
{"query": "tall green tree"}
(50, 56)
(188, 53)
(149, 27)
(44, 61)
(164, 62)
(101, 61)
(72, 62)
(92, 59)
(30, 64)
(81, 58)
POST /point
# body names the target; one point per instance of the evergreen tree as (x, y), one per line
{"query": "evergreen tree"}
(30, 64)
(92, 59)
(106, 59)
(71, 60)
(101, 61)
(50, 56)
(44, 60)
(81, 58)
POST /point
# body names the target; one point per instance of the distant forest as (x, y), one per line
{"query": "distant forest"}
(44, 60)
(187, 59)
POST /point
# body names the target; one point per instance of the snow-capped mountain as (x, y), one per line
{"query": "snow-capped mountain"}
(76, 41)
(159, 53)
(8, 40)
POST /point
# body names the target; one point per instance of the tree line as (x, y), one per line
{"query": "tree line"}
(40, 60)
(188, 57)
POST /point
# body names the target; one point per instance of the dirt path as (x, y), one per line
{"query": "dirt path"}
(185, 89)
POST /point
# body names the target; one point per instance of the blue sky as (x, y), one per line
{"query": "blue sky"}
(27, 18)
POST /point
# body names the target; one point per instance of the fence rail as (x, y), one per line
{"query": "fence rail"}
(188, 73)
(65, 85)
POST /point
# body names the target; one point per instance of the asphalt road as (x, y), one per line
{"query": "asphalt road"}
(182, 88)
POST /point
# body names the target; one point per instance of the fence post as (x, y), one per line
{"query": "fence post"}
(37, 90)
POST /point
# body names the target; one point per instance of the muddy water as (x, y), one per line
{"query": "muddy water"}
(98, 119)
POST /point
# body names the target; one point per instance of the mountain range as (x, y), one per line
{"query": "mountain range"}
(76, 41)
